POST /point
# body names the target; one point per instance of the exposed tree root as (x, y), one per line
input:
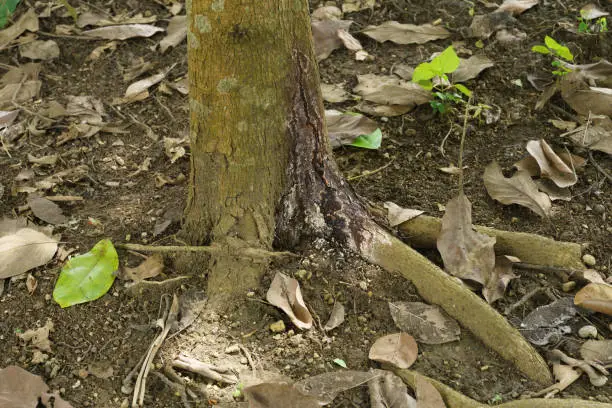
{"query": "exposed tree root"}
(454, 399)
(436, 286)
(423, 231)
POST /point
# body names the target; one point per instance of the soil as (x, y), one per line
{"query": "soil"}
(116, 330)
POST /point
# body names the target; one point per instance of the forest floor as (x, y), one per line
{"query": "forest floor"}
(132, 190)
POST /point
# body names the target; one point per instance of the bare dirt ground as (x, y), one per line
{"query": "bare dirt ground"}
(115, 330)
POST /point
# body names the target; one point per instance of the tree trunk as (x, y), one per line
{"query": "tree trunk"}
(262, 171)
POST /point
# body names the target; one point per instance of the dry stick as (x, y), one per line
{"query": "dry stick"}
(455, 399)
(598, 167)
(369, 173)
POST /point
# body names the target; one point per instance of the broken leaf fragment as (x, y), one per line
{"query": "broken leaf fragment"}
(19, 388)
(399, 350)
(336, 317)
(397, 215)
(285, 293)
(500, 278)
(389, 391)
(519, 189)
(87, 277)
(345, 128)
(123, 32)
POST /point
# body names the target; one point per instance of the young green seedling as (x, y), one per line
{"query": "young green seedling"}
(557, 50)
(433, 76)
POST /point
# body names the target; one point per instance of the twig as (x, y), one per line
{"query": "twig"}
(72, 37)
(445, 138)
(461, 145)
(598, 167)
(206, 370)
(524, 299)
(369, 173)
(248, 357)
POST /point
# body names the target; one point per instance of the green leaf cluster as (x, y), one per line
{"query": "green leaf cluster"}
(7, 8)
(554, 48)
(87, 277)
(445, 63)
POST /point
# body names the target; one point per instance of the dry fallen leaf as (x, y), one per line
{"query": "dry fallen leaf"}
(427, 395)
(595, 296)
(344, 128)
(273, 395)
(591, 12)
(19, 388)
(484, 25)
(518, 189)
(427, 323)
(397, 215)
(597, 135)
(123, 32)
(545, 324)
(285, 293)
(23, 248)
(585, 99)
(399, 349)
(498, 281)
(176, 33)
(336, 318)
(466, 253)
(325, 36)
(149, 268)
(46, 210)
(31, 283)
(517, 7)
(98, 51)
(597, 350)
(551, 165)
(27, 22)
(554, 192)
(325, 387)
(406, 33)
(390, 90)
(470, 68)
(389, 391)
(334, 93)
(349, 6)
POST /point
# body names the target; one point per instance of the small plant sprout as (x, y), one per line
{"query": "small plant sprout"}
(592, 21)
(559, 51)
(433, 76)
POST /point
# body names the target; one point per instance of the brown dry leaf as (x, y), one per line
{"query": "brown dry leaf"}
(565, 376)
(285, 293)
(176, 33)
(595, 296)
(123, 32)
(139, 90)
(389, 391)
(554, 192)
(397, 215)
(349, 6)
(334, 93)
(23, 248)
(599, 72)
(427, 323)
(398, 349)
(98, 51)
(149, 268)
(591, 12)
(344, 128)
(467, 254)
(591, 275)
(7, 118)
(585, 99)
(46, 210)
(484, 25)
(597, 350)
(595, 136)
(40, 50)
(383, 110)
(325, 36)
(174, 148)
(336, 318)
(499, 279)
(390, 90)
(88, 109)
(470, 68)
(39, 338)
(19, 388)
(27, 22)
(517, 7)
(452, 169)
(31, 283)
(273, 395)
(72, 174)
(519, 189)
(427, 395)
(325, 387)
(406, 33)
(19, 92)
(551, 165)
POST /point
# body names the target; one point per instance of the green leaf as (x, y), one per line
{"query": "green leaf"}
(423, 72)
(551, 43)
(448, 60)
(340, 362)
(540, 49)
(559, 49)
(7, 8)
(371, 141)
(87, 277)
(464, 90)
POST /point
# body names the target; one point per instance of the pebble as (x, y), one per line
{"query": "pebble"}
(568, 286)
(587, 332)
(589, 260)
(599, 209)
(277, 327)
(363, 285)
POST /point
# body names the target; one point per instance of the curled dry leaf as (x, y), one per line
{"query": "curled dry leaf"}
(427, 395)
(389, 391)
(406, 33)
(23, 248)
(336, 318)
(123, 32)
(597, 350)
(500, 278)
(467, 254)
(285, 293)
(399, 350)
(19, 388)
(517, 7)
(595, 296)
(470, 68)
(428, 323)
(518, 189)
(397, 215)
(551, 165)
(176, 33)
(325, 36)
(344, 128)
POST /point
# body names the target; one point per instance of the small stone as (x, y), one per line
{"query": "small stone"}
(232, 349)
(428, 155)
(250, 294)
(599, 209)
(277, 327)
(363, 285)
(587, 332)
(568, 286)
(589, 260)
